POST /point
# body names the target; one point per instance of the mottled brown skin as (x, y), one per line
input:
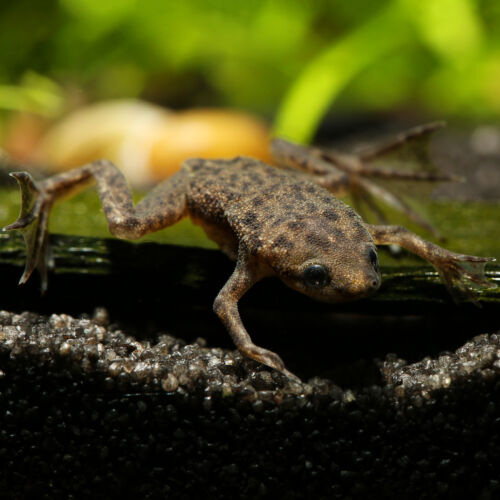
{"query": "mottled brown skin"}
(272, 222)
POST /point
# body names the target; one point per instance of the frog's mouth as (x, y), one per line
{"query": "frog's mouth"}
(336, 295)
(353, 291)
(361, 290)
(335, 292)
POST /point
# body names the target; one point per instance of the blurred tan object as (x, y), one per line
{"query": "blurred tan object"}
(149, 142)
(208, 133)
(23, 134)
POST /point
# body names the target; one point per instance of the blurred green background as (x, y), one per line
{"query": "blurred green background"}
(291, 61)
(296, 63)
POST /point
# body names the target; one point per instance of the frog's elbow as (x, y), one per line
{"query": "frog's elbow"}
(125, 228)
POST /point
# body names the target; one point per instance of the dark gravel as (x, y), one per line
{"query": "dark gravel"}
(90, 412)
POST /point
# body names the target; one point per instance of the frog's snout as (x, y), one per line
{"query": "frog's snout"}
(360, 287)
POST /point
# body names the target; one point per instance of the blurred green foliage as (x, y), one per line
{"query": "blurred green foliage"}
(289, 59)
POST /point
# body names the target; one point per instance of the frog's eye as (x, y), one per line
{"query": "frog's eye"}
(372, 255)
(316, 276)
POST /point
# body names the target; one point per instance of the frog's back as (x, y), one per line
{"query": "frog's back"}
(243, 199)
(220, 184)
(231, 178)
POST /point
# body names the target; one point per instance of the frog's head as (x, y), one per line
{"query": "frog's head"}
(329, 262)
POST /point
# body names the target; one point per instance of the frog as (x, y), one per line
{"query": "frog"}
(286, 222)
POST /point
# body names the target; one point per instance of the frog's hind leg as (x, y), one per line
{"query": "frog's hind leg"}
(163, 206)
(463, 275)
(341, 173)
(415, 133)
(369, 192)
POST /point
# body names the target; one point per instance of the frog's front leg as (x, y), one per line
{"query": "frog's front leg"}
(162, 207)
(462, 274)
(243, 278)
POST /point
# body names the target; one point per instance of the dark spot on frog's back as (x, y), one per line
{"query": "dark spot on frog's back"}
(298, 192)
(194, 164)
(256, 178)
(277, 221)
(257, 201)
(351, 213)
(245, 163)
(311, 207)
(318, 241)
(215, 169)
(251, 219)
(208, 184)
(229, 193)
(361, 231)
(295, 225)
(337, 233)
(272, 189)
(331, 214)
(282, 241)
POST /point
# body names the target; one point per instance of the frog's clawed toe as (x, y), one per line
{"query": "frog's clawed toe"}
(32, 223)
(464, 276)
(270, 359)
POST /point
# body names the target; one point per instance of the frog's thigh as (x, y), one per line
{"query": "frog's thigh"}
(161, 207)
(309, 163)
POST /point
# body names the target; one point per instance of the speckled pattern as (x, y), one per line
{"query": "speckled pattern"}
(88, 412)
(281, 219)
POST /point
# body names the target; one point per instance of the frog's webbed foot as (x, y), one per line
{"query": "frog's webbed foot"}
(388, 171)
(374, 177)
(33, 225)
(463, 275)
(370, 193)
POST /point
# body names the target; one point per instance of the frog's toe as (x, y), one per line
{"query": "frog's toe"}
(270, 359)
(291, 376)
(464, 276)
(33, 225)
(29, 191)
